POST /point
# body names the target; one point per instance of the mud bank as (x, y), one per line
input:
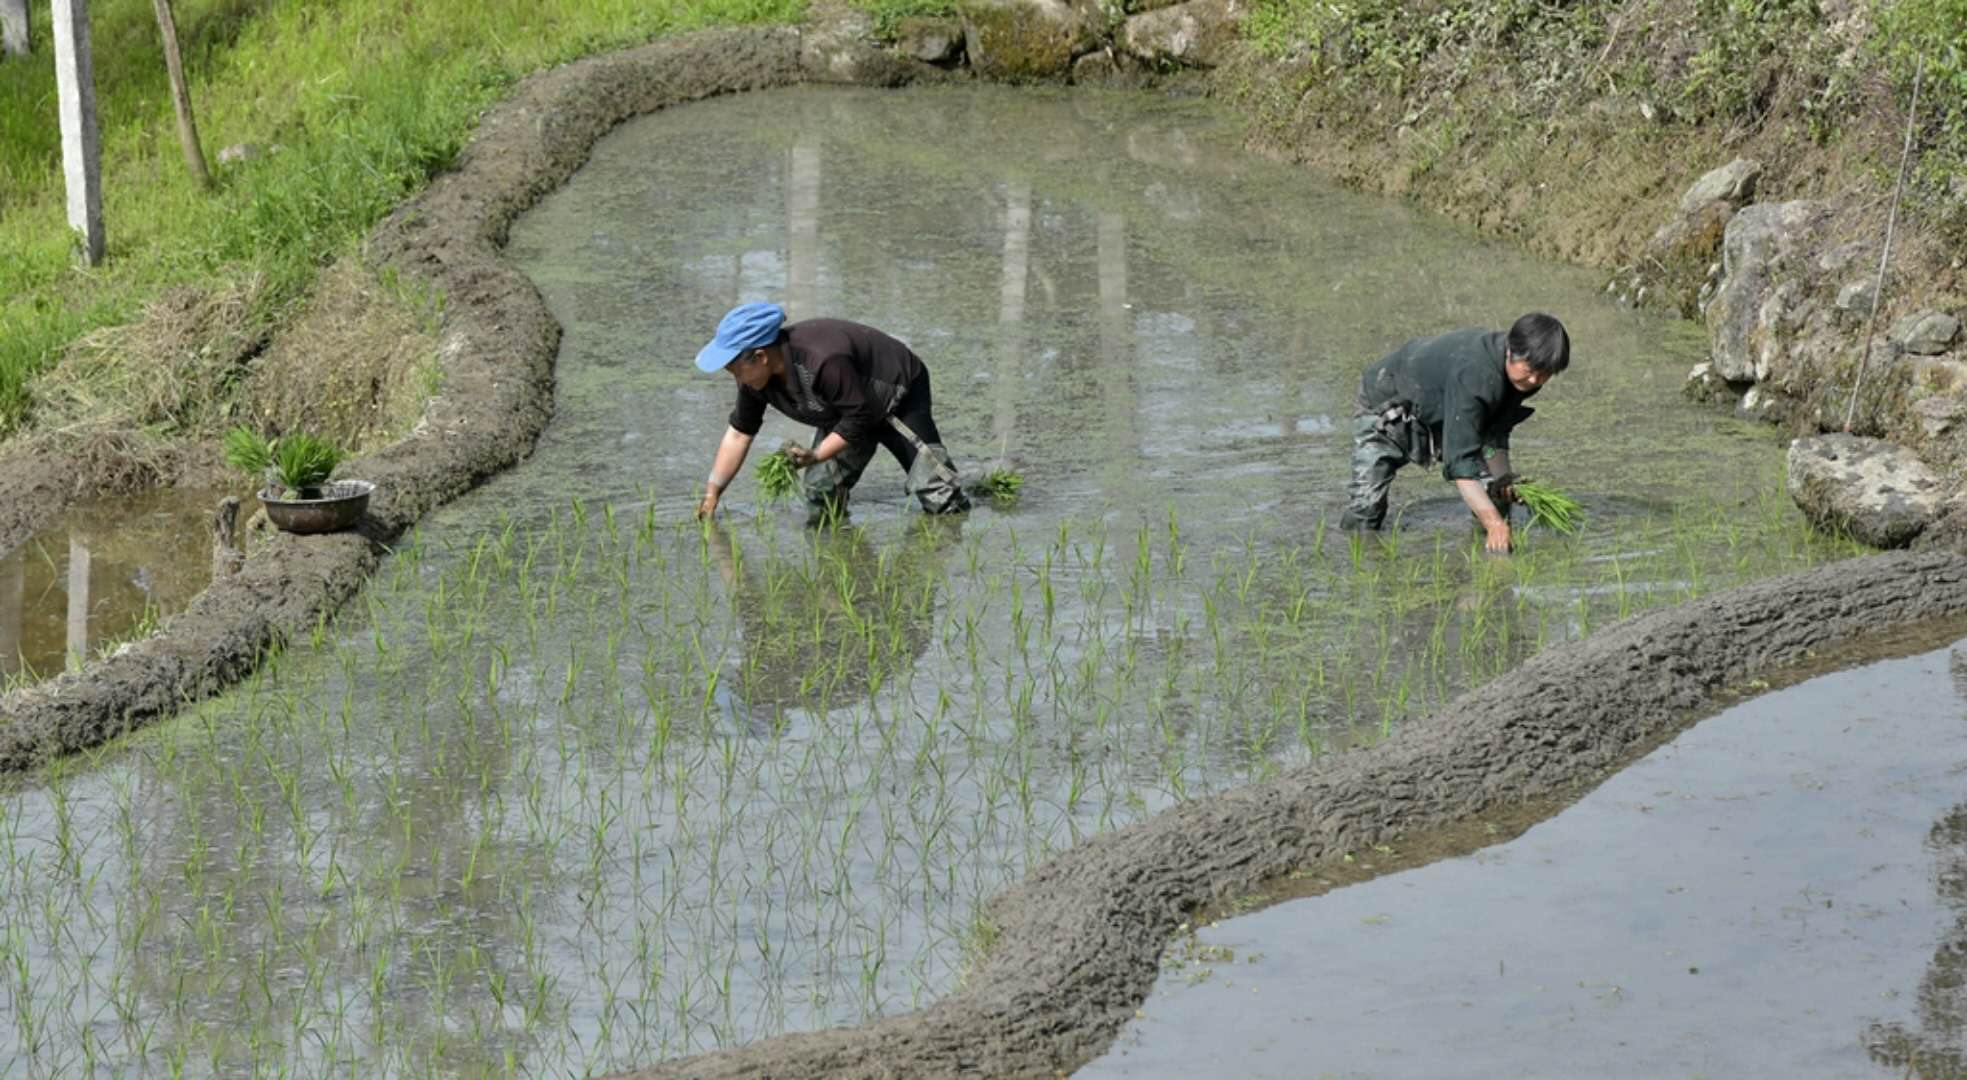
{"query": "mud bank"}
(496, 358)
(1078, 943)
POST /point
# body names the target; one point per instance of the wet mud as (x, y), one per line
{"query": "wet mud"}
(496, 358)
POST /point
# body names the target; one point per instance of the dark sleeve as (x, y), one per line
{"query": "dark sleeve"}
(1499, 431)
(1466, 403)
(749, 413)
(836, 381)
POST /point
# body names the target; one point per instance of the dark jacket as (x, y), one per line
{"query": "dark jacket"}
(1456, 386)
(840, 377)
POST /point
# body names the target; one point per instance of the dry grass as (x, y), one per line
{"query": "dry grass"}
(145, 403)
(355, 368)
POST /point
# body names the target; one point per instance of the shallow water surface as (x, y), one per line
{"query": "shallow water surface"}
(579, 785)
(106, 570)
(1777, 892)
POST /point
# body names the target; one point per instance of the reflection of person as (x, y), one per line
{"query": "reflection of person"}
(1455, 397)
(1938, 1047)
(824, 632)
(857, 387)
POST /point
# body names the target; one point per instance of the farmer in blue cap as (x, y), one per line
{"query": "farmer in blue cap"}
(857, 387)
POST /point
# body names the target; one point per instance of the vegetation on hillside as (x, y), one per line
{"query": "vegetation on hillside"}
(354, 105)
(1586, 101)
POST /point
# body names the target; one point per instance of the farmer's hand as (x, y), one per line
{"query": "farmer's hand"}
(708, 506)
(1497, 542)
(801, 457)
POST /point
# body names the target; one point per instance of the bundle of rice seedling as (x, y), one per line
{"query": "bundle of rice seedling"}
(1001, 484)
(776, 476)
(1550, 506)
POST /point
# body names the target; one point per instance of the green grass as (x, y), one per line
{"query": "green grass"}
(365, 99)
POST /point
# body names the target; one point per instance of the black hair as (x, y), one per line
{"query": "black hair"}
(1540, 339)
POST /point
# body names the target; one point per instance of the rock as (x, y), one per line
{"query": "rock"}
(1199, 33)
(1879, 492)
(930, 40)
(1742, 321)
(843, 49)
(1096, 67)
(1705, 386)
(1856, 296)
(1732, 184)
(1697, 226)
(1937, 415)
(240, 153)
(1696, 234)
(1925, 333)
(1754, 405)
(1839, 258)
(1025, 39)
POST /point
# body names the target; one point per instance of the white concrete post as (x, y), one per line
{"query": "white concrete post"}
(81, 143)
(13, 28)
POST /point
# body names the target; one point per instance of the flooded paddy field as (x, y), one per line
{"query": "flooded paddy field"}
(580, 785)
(1780, 891)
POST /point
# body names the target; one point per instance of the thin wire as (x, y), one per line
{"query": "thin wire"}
(1891, 222)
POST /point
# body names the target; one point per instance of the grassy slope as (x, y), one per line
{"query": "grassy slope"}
(365, 99)
(1575, 127)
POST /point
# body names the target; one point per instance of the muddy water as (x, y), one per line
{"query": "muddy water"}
(107, 570)
(1777, 892)
(579, 786)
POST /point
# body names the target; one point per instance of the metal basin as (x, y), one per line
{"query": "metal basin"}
(338, 505)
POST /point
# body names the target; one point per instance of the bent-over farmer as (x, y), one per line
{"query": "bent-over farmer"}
(858, 388)
(1455, 397)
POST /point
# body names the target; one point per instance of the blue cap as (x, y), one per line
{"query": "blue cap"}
(747, 326)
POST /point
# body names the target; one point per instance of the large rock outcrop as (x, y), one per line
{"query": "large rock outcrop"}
(1878, 492)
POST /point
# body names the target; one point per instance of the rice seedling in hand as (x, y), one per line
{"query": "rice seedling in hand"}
(776, 476)
(1000, 484)
(1550, 506)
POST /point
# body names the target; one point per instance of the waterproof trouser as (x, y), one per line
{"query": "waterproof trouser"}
(911, 436)
(1375, 458)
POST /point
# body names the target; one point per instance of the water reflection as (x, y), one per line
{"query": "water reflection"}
(106, 569)
(824, 626)
(1935, 1047)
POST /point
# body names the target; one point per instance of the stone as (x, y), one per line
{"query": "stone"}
(240, 153)
(1742, 321)
(1880, 493)
(1199, 33)
(1925, 333)
(1754, 405)
(842, 49)
(1025, 39)
(1856, 296)
(1937, 415)
(930, 40)
(1840, 258)
(1096, 67)
(1733, 184)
